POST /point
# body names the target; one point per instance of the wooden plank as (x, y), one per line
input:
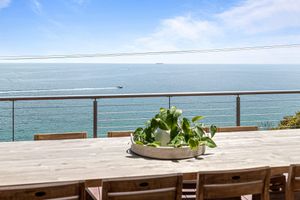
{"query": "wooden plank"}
(234, 128)
(237, 128)
(60, 136)
(119, 133)
(154, 187)
(233, 183)
(69, 190)
(293, 184)
(32, 162)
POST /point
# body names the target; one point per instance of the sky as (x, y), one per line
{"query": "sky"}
(43, 27)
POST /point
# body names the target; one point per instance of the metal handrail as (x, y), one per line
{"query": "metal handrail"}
(237, 94)
(149, 95)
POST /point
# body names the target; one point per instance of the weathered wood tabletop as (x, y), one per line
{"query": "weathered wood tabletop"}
(67, 160)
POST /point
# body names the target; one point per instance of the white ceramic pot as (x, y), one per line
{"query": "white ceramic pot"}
(162, 136)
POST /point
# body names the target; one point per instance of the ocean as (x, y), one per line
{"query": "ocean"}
(33, 117)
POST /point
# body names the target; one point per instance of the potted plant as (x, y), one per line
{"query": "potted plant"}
(168, 136)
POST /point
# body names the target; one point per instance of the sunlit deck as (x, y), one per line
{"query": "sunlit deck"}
(93, 160)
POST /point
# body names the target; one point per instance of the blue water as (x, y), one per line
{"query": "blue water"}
(126, 114)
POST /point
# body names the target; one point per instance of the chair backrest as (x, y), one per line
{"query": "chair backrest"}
(235, 128)
(60, 136)
(119, 133)
(293, 184)
(234, 183)
(143, 188)
(67, 190)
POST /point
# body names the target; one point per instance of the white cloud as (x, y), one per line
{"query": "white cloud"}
(182, 31)
(263, 16)
(250, 23)
(4, 3)
(250, 17)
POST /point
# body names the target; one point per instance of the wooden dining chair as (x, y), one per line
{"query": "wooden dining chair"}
(234, 183)
(189, 180)
(60, 136)
(293, 184)
(67, 190)
(277, 182)
(119, 133)
(166, 187)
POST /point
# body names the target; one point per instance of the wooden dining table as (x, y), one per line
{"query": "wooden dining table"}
(92, 160)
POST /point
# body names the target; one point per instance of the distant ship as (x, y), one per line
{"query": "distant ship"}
(159, 63)
(120, 87)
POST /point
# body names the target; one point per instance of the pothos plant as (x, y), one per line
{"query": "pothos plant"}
(181, 131)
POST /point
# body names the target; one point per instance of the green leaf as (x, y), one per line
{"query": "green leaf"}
(161, 110)
(186, 127)
(213, 130)
(171, 121)
(197, 118)
(138, 130)
(163, 114)
(162, 125)
(153, 144)
(174, 132)
(209, 142)
(199, 131)
(149, 137)
(176, 112)
(154, 123)
(139, 143)
(173, 110)
(193, 143)
(138, 135)
(178, 141)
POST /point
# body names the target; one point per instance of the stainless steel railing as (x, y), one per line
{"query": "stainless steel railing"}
(169, 96)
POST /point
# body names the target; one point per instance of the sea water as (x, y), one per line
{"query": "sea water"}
(126, 114)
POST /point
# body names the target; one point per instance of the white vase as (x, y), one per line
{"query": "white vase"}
(162, 136)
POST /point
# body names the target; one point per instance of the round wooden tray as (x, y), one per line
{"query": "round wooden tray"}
(166, 153)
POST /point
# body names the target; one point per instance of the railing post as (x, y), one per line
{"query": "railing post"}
(169, 102)
(13, 120)
(95, 118)
(238, 110)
